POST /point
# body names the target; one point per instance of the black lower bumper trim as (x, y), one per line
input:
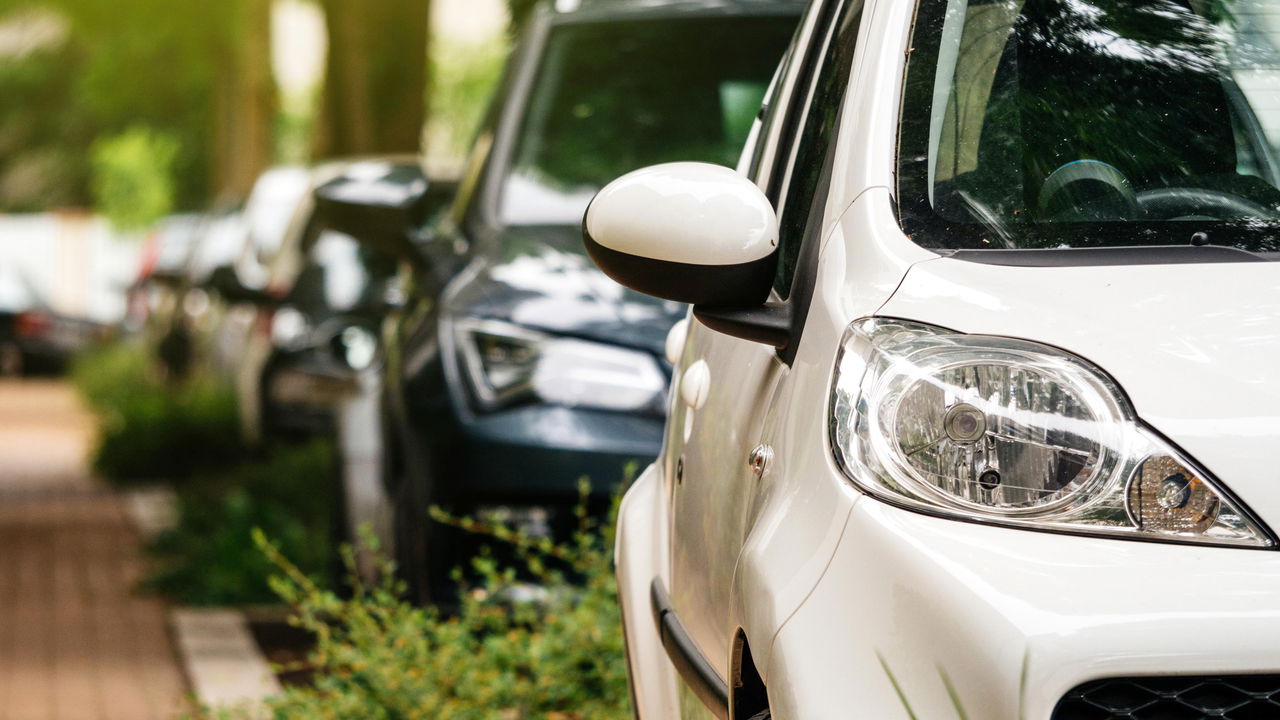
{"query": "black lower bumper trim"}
(693, 667)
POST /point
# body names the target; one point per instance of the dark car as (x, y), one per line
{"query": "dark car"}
(310, 365)
(35, 338)
(515, 368)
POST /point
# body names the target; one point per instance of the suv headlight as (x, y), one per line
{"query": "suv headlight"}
(506, 364)
(1011, 432)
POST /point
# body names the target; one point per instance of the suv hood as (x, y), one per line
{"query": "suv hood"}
(1195, 347)
(540, 277)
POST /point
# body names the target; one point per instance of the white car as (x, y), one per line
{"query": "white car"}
(977, 415)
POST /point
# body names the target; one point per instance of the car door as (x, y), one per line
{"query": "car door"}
(726, 385)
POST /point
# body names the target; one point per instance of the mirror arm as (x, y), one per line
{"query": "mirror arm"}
(769, 324)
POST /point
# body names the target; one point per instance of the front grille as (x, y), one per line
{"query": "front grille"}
(1229, 697)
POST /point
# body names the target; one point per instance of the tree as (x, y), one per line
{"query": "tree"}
(375, 88)
(245, 100)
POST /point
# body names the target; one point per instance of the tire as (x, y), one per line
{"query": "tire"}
(409, 477)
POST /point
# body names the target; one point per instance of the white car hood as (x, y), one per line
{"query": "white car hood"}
(1195, 346)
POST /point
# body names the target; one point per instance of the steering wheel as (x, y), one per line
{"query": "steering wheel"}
(1087, 191)
(1191, 203)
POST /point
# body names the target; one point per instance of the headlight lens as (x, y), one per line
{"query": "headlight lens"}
(1012, 432)
(506, 364)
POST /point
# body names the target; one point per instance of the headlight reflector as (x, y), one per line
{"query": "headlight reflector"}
(1008, 431)
(506, 364)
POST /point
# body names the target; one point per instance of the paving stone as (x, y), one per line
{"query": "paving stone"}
(76, 641)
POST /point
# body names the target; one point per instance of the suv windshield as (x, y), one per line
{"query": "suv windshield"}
(614, 97)
(1086, 123)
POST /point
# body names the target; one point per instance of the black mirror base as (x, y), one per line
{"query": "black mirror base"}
(768, 324)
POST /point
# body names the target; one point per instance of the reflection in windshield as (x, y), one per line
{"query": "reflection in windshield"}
(1094, 122)
(611, 98)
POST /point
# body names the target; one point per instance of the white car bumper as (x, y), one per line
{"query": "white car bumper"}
(958, 620)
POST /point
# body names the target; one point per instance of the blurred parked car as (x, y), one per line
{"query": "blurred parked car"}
(34, 338)
(188, 324)
(310, 367)
(515, 368)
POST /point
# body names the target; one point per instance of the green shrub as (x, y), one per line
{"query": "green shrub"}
(558, 655)
(149, 430)
(133, 179)
(209, 556)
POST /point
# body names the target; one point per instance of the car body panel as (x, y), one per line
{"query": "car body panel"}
(1001, 624)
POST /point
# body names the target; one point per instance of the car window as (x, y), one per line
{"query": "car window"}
(609, 98)
(801, 209)
(1065, 123)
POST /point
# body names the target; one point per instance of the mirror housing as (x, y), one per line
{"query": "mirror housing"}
(691, 232)
(380, 203)
(224, 281)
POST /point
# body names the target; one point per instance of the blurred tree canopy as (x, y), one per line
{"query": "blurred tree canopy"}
(110, 66)
(76, 72)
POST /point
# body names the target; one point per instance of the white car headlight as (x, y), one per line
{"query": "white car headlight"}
(1011, 432)
(506, 364)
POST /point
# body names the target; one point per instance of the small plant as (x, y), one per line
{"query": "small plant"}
(210, 558)
(549, 648)
(149, 430)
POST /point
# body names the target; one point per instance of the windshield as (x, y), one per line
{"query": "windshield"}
(1087, 123)
(614, 97)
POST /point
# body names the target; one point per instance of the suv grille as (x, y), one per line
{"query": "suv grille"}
(1236, 697)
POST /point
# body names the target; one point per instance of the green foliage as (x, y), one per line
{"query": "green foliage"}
(463, 79)
(151, 431)
(551, 650)
(133, 177)
(209, 557)
(118, 64)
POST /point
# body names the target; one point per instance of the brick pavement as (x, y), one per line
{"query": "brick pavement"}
(76, 643)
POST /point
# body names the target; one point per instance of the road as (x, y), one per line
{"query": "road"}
(76, 641)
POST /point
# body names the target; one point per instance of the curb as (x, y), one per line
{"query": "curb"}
(222, 661)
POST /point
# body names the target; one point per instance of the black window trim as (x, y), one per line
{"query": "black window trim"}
(781, 322)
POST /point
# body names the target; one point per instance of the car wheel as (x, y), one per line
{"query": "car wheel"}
(410, 477)
(412, 543)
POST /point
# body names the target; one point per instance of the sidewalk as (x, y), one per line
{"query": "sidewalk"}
(76, 643)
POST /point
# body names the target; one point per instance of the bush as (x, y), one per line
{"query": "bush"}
(151, 431)
(209, 556)
(133, 179)
(513, 651)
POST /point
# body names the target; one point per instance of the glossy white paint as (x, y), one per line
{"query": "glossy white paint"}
(645, 554)
(835, 591)
(1011, 619)
(674, 345)
(695, 385)
(686, 212)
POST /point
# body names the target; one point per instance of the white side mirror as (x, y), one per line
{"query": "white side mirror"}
(692, 232)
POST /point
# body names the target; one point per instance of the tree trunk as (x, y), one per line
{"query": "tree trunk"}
(246, 103)
(375, 89)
